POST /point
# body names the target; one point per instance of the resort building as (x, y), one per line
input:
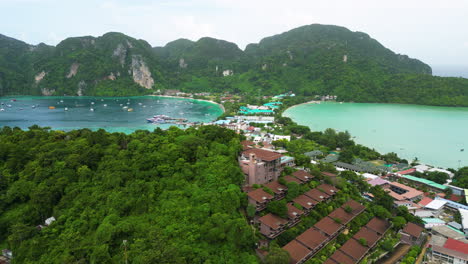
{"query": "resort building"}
(271, 225)
(401, 192)
(412, 234)
(448, 250)
(259, 198)
(303, 175)
(260, 166)
(279, 189)
(306, 202)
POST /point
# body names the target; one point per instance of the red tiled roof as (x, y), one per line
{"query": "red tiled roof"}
(456, 245)
(276, 187)
(354, 249)
(454, 197)
(247, 143)
(340, 258)
(341, 214)
(410, 192)
(328, 189)
(425, 201)
(378, 225)
(312, 238)
(263, 154)
(328, 226)
(357, 207)
(305, 201)
(329, 174)
(413, 230)
(259, 195)
(370, 236)
(292, 179)
(293, 211)
(317, 195)
(296, 251)
(408, 171)
(302, 175)
(272, 221)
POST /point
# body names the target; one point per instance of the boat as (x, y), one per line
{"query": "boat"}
(61, 101)
(66, 108)
(91, 109)
(1, 109)
(51, 107)
(130, 110)
(105, 105)
(92, 103)
(125, 107)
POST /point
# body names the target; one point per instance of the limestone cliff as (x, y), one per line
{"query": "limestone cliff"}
(141, 73)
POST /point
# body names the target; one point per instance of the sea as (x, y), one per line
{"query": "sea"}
(109, 113)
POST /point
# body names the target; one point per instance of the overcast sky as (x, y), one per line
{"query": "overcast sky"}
(434, 31)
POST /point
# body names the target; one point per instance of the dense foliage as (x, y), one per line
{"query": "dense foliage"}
(309, 60)
(173, 195)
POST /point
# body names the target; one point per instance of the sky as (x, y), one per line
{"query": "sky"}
(433, 31)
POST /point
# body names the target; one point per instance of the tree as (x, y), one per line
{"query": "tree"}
(278, 208)
(398, 222)
(251, 210)
(277, 255)
(294, 190)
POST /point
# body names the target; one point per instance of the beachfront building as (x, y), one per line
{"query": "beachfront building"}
(401, 192)
(260, 166)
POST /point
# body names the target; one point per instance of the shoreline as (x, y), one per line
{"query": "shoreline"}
(180, 97)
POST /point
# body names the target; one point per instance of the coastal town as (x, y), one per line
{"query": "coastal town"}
(437, 234)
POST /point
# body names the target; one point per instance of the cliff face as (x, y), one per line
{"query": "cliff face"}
(309, 59)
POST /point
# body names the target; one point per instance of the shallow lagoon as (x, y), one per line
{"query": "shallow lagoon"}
(435, 135)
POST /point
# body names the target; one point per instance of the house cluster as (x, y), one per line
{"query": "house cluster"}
(448, 245)
(358, 246)
(306, 245)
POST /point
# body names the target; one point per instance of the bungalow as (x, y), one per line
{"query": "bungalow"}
(271, 225)
(289, 178)
(354, 249)
(328, 189)
(378, 225)
(338, 257)
(294, 214)
(306, 202)
(368, 235)
(312, 239)
(356, 208)
(341, 216)
(259, 198)
(329, 227)
(317, 195)
(279, 189)
(412, 234)
(303, 175)
(298, 253)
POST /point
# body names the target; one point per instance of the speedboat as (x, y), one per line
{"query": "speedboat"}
(1, 109)
(105, 105)
(91, 109)
(66, 108)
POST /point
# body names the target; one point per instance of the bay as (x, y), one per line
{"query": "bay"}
(435, 135)
(108, 114)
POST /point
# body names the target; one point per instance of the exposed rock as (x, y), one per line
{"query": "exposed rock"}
(111, 76)
(47, 92)
(73, 70)
(264, 66)
(345, 58)
(121, 53)
(182, 63)
(228, 72)
(118, 74)
(216, 68)
(39, 76)
(141, 72)
(290, 55)
(81, 88)
(129, 44)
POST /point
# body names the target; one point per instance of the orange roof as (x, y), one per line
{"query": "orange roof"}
(259, 195)
(410, 192)
(425, 201)
(263, 154)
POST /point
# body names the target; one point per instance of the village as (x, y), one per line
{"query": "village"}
(282, 194)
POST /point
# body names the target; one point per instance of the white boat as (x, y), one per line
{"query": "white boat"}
(125, 107)
(92, 103)
(66, 108)
(105, 105)
(1, 109)
(91, 109)
(61, 101)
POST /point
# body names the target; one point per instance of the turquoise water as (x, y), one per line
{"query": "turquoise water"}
(435, 135)
(112, 117)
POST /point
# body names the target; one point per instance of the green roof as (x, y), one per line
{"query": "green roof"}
(456, 230)
(425, 181)
(429, 220)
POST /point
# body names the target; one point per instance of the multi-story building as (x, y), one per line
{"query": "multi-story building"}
(260, 166)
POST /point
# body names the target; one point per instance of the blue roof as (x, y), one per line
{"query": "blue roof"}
(222, 122)
(286, 159)
(429, 220)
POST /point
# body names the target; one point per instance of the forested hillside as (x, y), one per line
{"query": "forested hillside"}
(309, 60)
(173, 195)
